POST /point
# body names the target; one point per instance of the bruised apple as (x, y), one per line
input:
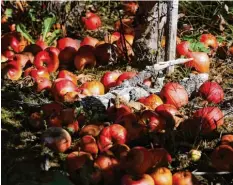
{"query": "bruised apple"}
(209, 40)
(57, 139)
(88, 144)
(182, 48)
(109, 79)
(41, 72)
(138, 161)
(85, 57)
(93, 130)
(13, 70)
(145, 179)
(110, 135)
(43, 84)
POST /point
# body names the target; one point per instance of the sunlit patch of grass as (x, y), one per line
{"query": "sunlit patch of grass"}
(8, 119)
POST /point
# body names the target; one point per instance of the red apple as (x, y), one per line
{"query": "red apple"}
(182, 48)
(160, 157)
(68, 115)
(184, 178)
(130, 8)
(138, 161)
(73, 127)
(92, 88)
(120, 150)
(227, 140)
(68, 75)
(64, 90)
(54, 120)
(209, 40)
(145, 179)
(115, 113)
(41, 43)
(48, 59)
(152, 101)
(125, 76)
(8, 53)
(85, 57)
(175, 94)
(67, 42)
(89, 41)
(54, 50)
(152, 121)
(43, 84)
(125, 25)
(110, 135)
(57, 139)
(124, 45)
(91, 21)
(162, 176)
(88, 144)
(112, 38)
(93, 130)
(77, 160)
(13, 70)
(35, 73)
(109, 79)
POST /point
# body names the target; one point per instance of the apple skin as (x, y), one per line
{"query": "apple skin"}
(91, 21)
(89, 41)
(110, 135)
(68, 75)
(41, 43)
(21, 59)
(112, 38)
(162, 176)
(109, 79)
(43, 84)
(76, 160)
(227, 140)
(88, 144)
(54, 120)
(49, 59)
(184, 178)
(57, 139)
(182, 48)
(201, 61)
(138, 161)
(130, 8)
(120, 150)
(73, 127)
(221, 158)
(8, 53)
(55, 50)
(160, 157)
(115, 113)
(36, 120)
(126, 24)
(62, 87)
(92, 88)
(67, 42)
(13, 70)
(35, 73)
(93, 130)
(125, 43)
(68, 115)
(175, 94)
(51, 108)
(209, 40)
(152, 121)
(85, 57)
(125, 76)
(152, 101)
(145, 179)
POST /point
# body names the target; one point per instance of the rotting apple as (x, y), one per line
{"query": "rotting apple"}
(116, 112)
(37, 72)
(64, 90)
(175, 94)
(68, 115)
(21, 59)
(138, 161)
(88, 144)
(51, 108)
(208, 118)
(184, 178)
(221, 158)
(200, 62)
(36, 120)
(93, 130)
(209, 40)
(54, 120)
(91, 21)
(160, 157)
(182, 48)
(110, 135)
(227, 140)
(85, 57)
(13, 70)
(152, 101)
(43, 84)
(68, 75)
(48, 59)
(57, 139)
(104, 53)
(162, 176)
(88, 40)
(109, 79)
(120, 150)
(92, 88)
(73, 127)
(144, 179)
(152, 122)
(76, 160)
(211, 91)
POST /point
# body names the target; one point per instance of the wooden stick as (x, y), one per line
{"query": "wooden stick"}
(172, 18)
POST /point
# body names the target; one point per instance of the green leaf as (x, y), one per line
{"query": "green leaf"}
(53, 36)
(8, 12)
(47, 24)
(22, 29)
(198, 46)
(32, 15)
